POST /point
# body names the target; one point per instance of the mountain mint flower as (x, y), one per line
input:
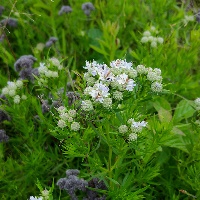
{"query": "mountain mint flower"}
(156, 87)
(19, 83)
(61, 109)
(153, 44)
(137, 127)
(87, 105)
(107, 103)
(144, 39)
(132, 137)
(61, 123)
(141, 69)
(75, 126)
(99, 91)
(146, 33)
(72, 113)
(153, 76)
(17, 99)
(117, 95)
(123, 129)
(11, 93)
(197, 103)
(35, 198)
(24, 97)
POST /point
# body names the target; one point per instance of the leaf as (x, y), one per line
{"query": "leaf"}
(112, 180)
(164, 109)
(183, 111)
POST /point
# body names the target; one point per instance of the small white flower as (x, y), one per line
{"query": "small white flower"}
(61, 109)
(122, 78)
(72, 113)
(5, 91)
(141, 69)
(87, 105)
(99, 91)
(64, 116)
(120, 64)
(154, 44)
(157, 71)
(55, 61)
(35, 198)
(11, 93)
(24, 97)
(54, 74)
(132, 137)
(156, 87)
(130, 121)
(48, 73)
(151, 39)
(75, 126)
(137, 127)
(123, 129)
(153, 76)
(153, 29)
(90, 81)
(107, 103)
(130, 85)
(45, 194)
(160, 40)
(61, 123)
(42, 68)
(16, 99)
(197, 102)
(146, 33)
(11, 85)
(144, 39)
(132, 73)
(19, 83)
(118, 95)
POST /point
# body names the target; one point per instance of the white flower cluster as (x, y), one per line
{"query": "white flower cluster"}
(188, 18)
(49, 70)
(107, 83)
(13, 90)
(153, 75)
(132, 129)
(197, 103)
(66, 118)
(35, 198)
(149, 37)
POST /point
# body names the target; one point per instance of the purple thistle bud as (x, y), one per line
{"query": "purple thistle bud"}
(25, 61)
(35, 72)
(74, 172)
(87, 8)
(72, 183)
(10, 22)
(45, 106)
(51, 41)
(1, 10)
(26, 74)
(4, 116)
(65, 9)
(2, 36)
(3, 136)
(72, 97)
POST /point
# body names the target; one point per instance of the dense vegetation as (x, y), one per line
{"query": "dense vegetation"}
(124, 126)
